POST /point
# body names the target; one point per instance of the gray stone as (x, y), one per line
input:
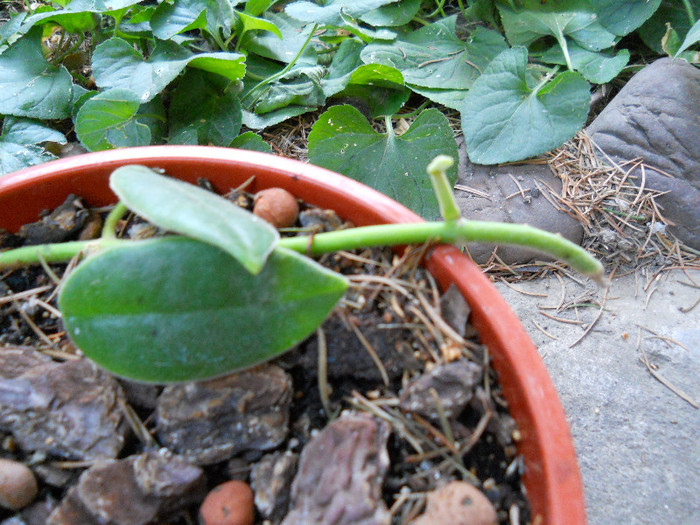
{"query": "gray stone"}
(211, 421)
(69, 409)
(453, 384)
(138, 490)
(656, 117)
(271, 478)
(341, 472)
(499, 199)
(636, 440)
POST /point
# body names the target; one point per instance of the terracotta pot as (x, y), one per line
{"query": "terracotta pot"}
(551, 477)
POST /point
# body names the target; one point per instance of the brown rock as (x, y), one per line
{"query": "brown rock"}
(341, 472)
(457, 503)
(211, 421)
(18, 486)
(138, 490)
(230, 503)
(277, 206)
(67, 409)
(453, 383)
(271, 478)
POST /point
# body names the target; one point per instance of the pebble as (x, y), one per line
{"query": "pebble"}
(457, 503)
(230, 503)
(17, 485)
(277, 206)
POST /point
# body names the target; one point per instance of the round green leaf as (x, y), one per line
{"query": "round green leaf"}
(201, 112)
(624, 17)
(29, 85)
(434, 57)
(504, 120)
(19, 144)
(342, 140)
(116, 64)
(175, 309)
(108, 121)
(195, 212)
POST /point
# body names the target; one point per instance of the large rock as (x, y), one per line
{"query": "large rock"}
(498, 198)
(656, 117)
(211, 421)
(138, 490)
(341, 472)
(70, 409)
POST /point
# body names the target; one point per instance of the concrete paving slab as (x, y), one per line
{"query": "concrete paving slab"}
(637, 441)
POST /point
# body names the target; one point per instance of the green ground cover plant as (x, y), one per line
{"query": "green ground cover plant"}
(115, 73)
(228, 272)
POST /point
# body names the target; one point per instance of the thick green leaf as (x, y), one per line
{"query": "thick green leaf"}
(12, 30)
(299, 86)
(29, 85)
(504, 120)
(116, 64)
(565, 20)
(251, 141)
(598, 67)
(215, 16)
(108, 120)
(268, 45)
(392, 15)
(624, 17)
(77, 16)
(253, 23)
(258, 7)
(434, 57)
(343, 141)
(331, 13)
(669, 12)
(202, 112)
(19, 144)
(175, 309)
(691, 38)
(197, 213)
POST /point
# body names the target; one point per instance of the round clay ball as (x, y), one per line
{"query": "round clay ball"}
(277, 206)
(230, 503)
(18, 486)
(458, 503)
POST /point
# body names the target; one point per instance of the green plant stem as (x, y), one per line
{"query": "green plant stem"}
(565, 49)
(52, 253)
(689, 11)
(453, 232)
(110, 225)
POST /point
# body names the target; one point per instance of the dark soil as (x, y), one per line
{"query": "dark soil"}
(466, 434)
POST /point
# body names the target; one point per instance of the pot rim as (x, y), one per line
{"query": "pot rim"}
(552, 479)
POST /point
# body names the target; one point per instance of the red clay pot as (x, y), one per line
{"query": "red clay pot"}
(551, 478)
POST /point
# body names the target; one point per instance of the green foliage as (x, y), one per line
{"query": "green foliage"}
(176, 309)
(540, 117)
(202, 71)
(197, 213)
(343, 141)
(231, 293)
(19, 143)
